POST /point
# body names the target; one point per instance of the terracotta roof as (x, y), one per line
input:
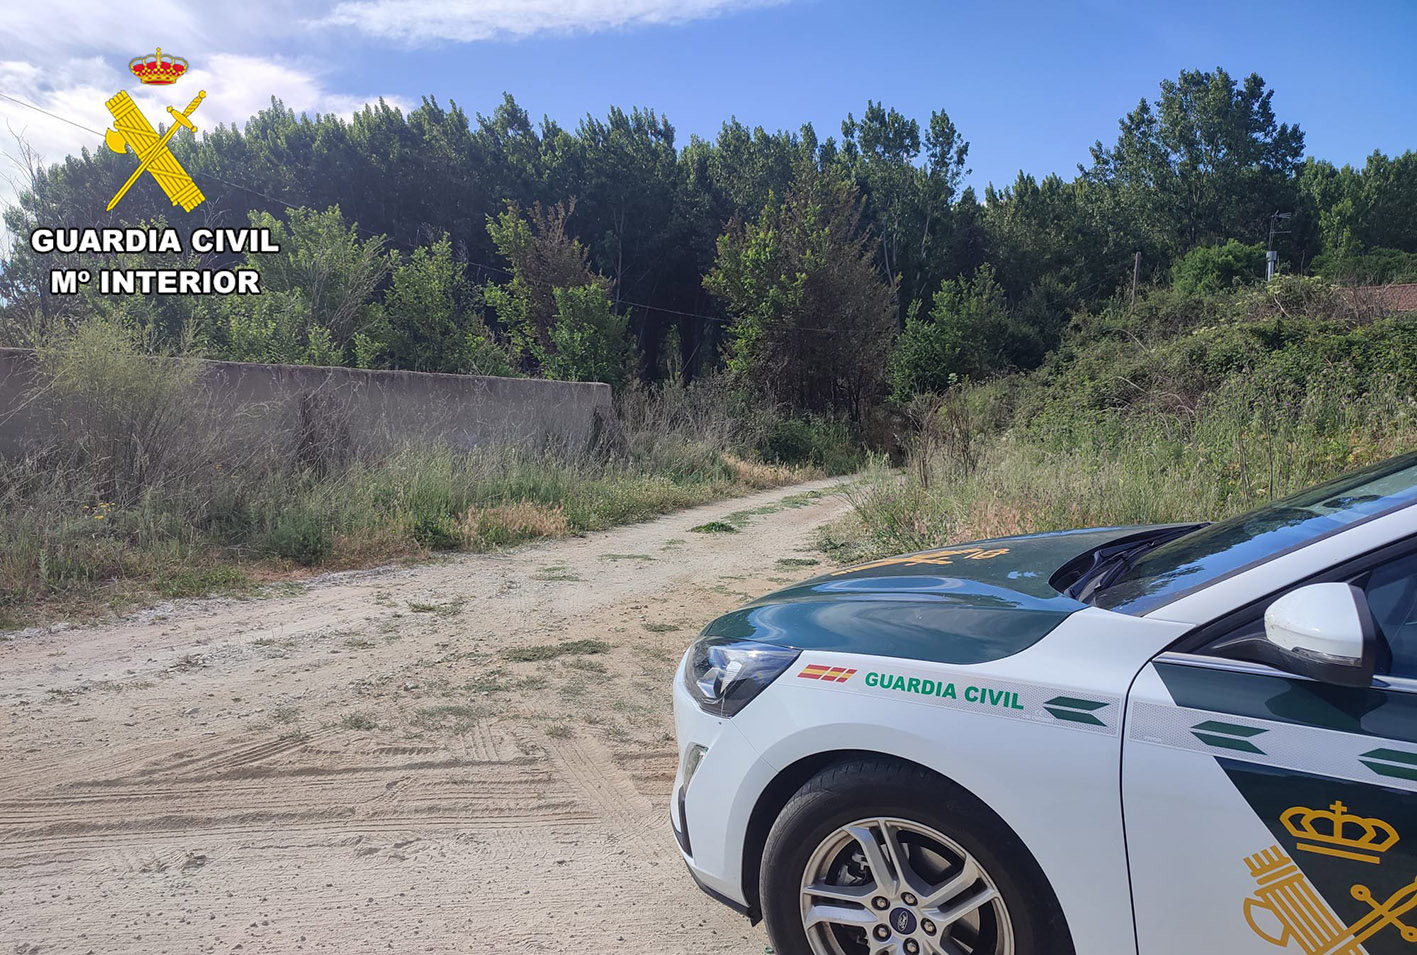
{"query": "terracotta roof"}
(1386, 298)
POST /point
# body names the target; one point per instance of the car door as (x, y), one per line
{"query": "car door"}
(1265, 811)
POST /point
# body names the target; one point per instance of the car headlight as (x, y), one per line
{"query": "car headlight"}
(724, 674)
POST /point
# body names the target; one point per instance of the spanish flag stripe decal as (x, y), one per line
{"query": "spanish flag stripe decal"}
(819, 671)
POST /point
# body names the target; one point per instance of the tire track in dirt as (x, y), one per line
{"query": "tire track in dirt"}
(590, 769)
(401, 759)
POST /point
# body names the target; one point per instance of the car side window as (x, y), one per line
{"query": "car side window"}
(1391, 590)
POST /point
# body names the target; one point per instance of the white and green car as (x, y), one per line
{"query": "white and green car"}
(1176, 740)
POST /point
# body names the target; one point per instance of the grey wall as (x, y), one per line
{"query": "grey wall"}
(350, 410)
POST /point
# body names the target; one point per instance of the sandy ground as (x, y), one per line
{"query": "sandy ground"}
(361, 764)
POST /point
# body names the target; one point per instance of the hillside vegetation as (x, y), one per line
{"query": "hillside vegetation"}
(1054, 352)
(1185, 407)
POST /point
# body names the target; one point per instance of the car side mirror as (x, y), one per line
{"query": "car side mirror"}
(1323, 631)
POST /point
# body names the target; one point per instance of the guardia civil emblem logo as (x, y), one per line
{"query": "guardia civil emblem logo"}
(1286, 909)
(131, 130)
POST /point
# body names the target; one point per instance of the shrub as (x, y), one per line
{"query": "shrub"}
(1373, 267)
(968, 334)
(827, 443)
(588, 341)
(1217, 268)
(1119, 430)
(129, 418)
(790, 441)
(300, 535)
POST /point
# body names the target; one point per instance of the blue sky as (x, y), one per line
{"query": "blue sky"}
(1030, 83)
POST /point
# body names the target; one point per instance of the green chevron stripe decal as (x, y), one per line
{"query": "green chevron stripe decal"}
(1074, 703)
(1228, 736)
(1392, 763)
(1074, 710)
(1073, 716)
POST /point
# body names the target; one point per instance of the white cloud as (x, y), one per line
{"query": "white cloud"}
(464, 21)
(237, 87)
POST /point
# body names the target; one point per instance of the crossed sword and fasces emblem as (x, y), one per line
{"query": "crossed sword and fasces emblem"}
(132, 130)
(1287, 898)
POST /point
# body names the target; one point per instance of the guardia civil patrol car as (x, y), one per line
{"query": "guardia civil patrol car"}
(1175, 740)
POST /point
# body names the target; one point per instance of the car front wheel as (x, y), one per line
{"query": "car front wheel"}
(881, 857)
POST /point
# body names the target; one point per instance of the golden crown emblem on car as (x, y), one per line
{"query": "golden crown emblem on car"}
(157, 69)
(1336, 832)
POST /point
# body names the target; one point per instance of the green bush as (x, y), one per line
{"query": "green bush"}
(790, 441)
(435, 530)
(1373, 267)
(827, 443)
(127, 418)
(588, 341)
(1208, 269)
(969, 333)
(300, 535)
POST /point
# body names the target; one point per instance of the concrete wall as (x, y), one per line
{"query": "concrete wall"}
(347, 410)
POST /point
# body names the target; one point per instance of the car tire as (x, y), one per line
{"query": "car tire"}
(934, 824)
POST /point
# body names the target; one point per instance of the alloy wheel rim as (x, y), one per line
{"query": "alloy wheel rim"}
(891, 886)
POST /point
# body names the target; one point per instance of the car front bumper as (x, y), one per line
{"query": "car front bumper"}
(713, 801)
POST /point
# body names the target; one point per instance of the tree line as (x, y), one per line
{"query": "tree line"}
(822, 273)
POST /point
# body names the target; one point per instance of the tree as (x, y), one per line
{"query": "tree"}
(588, 340)
(968, 334)
(1366, 229)
(908, 204)
(325, 265)
(1207, 269)
(1207, 161)
(812, 319)
(426, 321)
(545, 261)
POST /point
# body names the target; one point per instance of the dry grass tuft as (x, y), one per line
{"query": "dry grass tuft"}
(757, 474)
(501, 524)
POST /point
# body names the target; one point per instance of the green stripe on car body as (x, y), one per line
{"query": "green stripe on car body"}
(1284, 699)
(1393, 763)
(1074, 710)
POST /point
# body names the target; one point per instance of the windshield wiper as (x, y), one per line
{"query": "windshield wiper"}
(1111, 561)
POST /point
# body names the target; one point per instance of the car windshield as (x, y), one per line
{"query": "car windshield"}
(1218, 550)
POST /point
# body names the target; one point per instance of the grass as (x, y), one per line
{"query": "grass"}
(661, 627)
(549, 651)
(358, 721)
(449, 608)
(219, 579)
(715, 527)
(285, 714)
(555, 572)
(561, 729)
(1141, 425)
(456, 718)
(498, 680)
(736, 521)
(797, 562)
(148, 496)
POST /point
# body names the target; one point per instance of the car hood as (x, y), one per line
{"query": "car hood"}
(970, 603)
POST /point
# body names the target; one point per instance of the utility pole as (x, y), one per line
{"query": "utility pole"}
(1136, 274)
(1271, 257)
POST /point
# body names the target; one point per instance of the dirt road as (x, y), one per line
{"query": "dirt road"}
(427, 759)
